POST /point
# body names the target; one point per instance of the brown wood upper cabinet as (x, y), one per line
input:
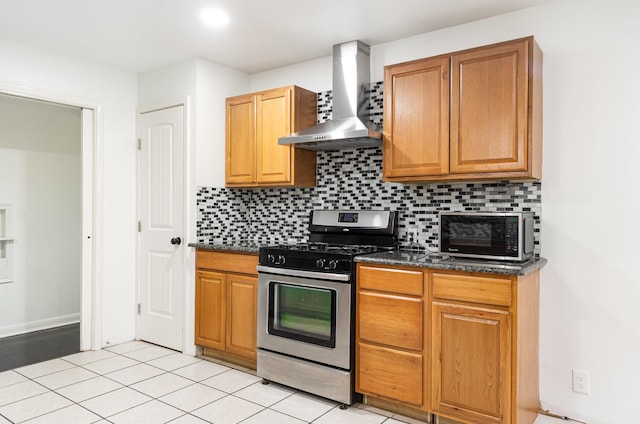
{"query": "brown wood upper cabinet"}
(254, 122)
(469, 115)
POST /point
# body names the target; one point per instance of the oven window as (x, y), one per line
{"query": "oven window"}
(303, 313)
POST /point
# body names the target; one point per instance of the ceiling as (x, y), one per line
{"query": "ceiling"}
(140, 35)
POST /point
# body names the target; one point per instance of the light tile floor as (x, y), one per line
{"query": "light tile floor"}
(140, 383)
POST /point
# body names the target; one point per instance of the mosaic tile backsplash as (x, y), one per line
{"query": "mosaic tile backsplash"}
(353, 179)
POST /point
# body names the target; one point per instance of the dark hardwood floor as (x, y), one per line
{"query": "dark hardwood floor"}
(30, 348)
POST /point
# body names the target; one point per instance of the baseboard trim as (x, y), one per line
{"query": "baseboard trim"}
(398, 408)
(44, 324)
(208, 353)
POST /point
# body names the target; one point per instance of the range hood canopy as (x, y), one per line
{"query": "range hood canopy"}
(350, 126)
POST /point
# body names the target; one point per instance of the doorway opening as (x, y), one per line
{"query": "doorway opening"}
(43, 252)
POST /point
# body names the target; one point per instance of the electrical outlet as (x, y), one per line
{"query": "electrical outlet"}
(580, 381)
(412, 234)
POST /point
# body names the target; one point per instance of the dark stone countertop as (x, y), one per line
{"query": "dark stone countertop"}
(411, 258)
(422, 259)
(238, 246)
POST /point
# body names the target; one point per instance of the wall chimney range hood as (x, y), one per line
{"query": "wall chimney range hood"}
(350, 126)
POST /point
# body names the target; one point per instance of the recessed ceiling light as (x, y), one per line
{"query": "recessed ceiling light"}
(214, 17)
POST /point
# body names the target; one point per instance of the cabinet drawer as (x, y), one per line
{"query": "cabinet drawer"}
(391, 280)
(390, 320)
(389, 373)
(232, 262)
(471, 288)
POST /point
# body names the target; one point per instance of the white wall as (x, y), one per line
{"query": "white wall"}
(590, 290)
(215, 83)
(40, 178)
(30, 70)
(206, 85)
(314, 75)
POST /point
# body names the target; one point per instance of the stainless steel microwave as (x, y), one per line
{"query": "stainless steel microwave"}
(504, 236)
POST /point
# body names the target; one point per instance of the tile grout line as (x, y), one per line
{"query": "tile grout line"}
(152, 398)
(164, 371)
(55, 391)
(73, 365)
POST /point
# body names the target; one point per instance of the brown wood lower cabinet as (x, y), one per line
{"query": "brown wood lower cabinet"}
(391, 340)
(461, 345)
(211, 294)
(471, 366)
(242, 296)
(226, 296)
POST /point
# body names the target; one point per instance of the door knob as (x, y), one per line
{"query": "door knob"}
(176, 241)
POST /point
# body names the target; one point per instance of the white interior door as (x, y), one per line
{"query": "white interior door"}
(162, 227)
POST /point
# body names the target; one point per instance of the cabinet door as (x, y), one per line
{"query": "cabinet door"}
(241, 315)
(471, 363)
(210, 309)
(273, 121)
(416, 118)
(240, 140)
(489, 109)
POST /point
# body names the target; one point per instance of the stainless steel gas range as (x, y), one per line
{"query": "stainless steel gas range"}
(306, 296)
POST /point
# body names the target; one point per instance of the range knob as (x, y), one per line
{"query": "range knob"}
(271, 259)
(333, 264)
(320, 263)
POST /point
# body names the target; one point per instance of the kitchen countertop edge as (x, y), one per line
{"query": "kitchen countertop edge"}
(401, 258)
(433, 261)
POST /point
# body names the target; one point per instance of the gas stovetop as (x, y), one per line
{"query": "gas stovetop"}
(335, 238)
(313, 256)
(320, 247)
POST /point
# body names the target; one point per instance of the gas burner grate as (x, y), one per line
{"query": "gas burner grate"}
(330, 248)
(311, 246)
(355, 248)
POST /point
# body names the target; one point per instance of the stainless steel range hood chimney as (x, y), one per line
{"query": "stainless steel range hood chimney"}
(350, 126)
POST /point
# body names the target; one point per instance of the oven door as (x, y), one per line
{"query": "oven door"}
(302, 315)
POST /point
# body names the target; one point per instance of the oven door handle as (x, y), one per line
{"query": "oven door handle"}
(305, 274)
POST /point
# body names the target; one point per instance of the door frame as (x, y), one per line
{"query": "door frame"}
(92, 202)
(189, 220)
